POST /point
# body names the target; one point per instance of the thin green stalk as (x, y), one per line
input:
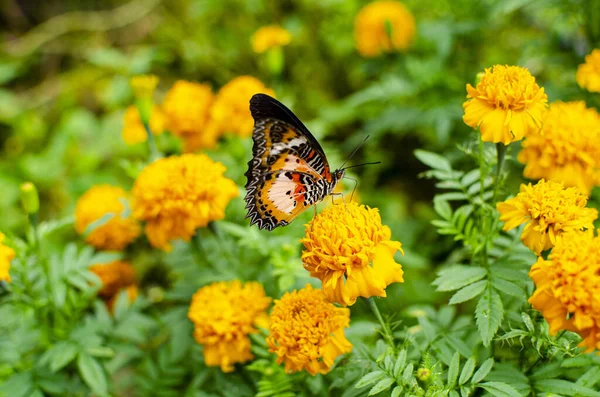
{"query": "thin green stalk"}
(500, 155)
(154, 153)
(387, 332)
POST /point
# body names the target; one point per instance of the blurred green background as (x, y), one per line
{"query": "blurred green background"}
(65, 69)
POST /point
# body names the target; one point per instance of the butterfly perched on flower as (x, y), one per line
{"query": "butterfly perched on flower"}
(289, 171)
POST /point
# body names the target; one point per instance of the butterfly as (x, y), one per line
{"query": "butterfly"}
(289, 171)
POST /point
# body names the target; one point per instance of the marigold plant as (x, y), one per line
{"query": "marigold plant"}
(548, 211)
(230, 112)
(187, 107)
(568, 287)
(506, 105)
(383, 26)
(103, 216)
(178, 194)
(588, 73)
(115, 277)
(307, 332)
(268, 37)
(567, 148)
(7, 254)
(224, 314)
(351, 252)
(134, 131)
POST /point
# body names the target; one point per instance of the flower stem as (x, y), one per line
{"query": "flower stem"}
(387, 332)
(154, 153)
(500, 154)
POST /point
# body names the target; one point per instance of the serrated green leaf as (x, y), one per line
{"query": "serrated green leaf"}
(458, 276)
(370, 378)
(396, 392)
(433, 160)
(482, 372)
(509, 288)
(92, 373)
(453, 370)
(489, 314)
(467, 371)
(559, 386)
(590, 377)
(382, 385)
(499, 389)
(442, 208)
(62, 354)
(400, 363)
(469, 292)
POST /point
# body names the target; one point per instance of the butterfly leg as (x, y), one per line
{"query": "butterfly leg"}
(355, 186)
(338, 194)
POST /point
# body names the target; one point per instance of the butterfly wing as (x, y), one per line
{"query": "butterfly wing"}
(288, 171)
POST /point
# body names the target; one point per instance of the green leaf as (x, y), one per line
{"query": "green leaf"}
(499, 389)
(469, 292)
(590, 377)
(453, 369)
(458, 276)
(433, 160)
(370, 378)
(400, 363)
(383, 384)
(489, 314)
(509, 288)
(482, 372)
(559, 386)
(396, 392)
(467, 371)
(62, 354)
(92, 373)
(442, 208)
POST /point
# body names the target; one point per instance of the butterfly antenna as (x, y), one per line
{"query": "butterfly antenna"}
(354, 152)
(360, 165)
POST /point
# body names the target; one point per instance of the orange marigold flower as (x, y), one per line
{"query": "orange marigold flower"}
(567, 149)
(224, 314)
(549, 210)
(7, 254)
(133, 130)
(307, 331)
(506, 105)
(268, 37)
(114, 276)
(104, 209)
(588, 73)
(231, 112)
(187, 108)
(568, 287)
(178, 194)
(350, 251)
(383, 26)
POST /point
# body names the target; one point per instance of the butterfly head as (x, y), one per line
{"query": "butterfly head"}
(335, 178)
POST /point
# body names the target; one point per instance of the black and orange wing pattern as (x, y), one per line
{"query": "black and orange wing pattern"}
(288, 171)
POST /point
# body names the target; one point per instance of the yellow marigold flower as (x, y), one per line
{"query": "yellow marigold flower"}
(567, 149)
(133, 130)
(187, 110)
(96, 204)
(506, 105)
(269, 37)
(114, 276)
(178, 194)
(549, 210)
(231, 112)
(7, 254)
(143, 85)
(588, 73)
(568, 287)
(350, 251)
(307, 331)
(224, 314)
(383, 26)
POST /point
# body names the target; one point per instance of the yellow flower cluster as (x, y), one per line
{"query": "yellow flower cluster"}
(568, 287)
(506, 105)
(133, 130)
(178, 194)
(231, 112)
(567, 149)
(268, 37)
(307, 332)
(588, 73)
(7, 254)
(224, 314)
(383, 26)
(549, 211)
(350, 251)
(115, 277)
(104, 209)
(187, 110)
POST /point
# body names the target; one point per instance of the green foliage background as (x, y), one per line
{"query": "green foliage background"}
(64, 72)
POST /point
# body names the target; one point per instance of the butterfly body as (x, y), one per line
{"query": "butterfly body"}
(289, 171)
